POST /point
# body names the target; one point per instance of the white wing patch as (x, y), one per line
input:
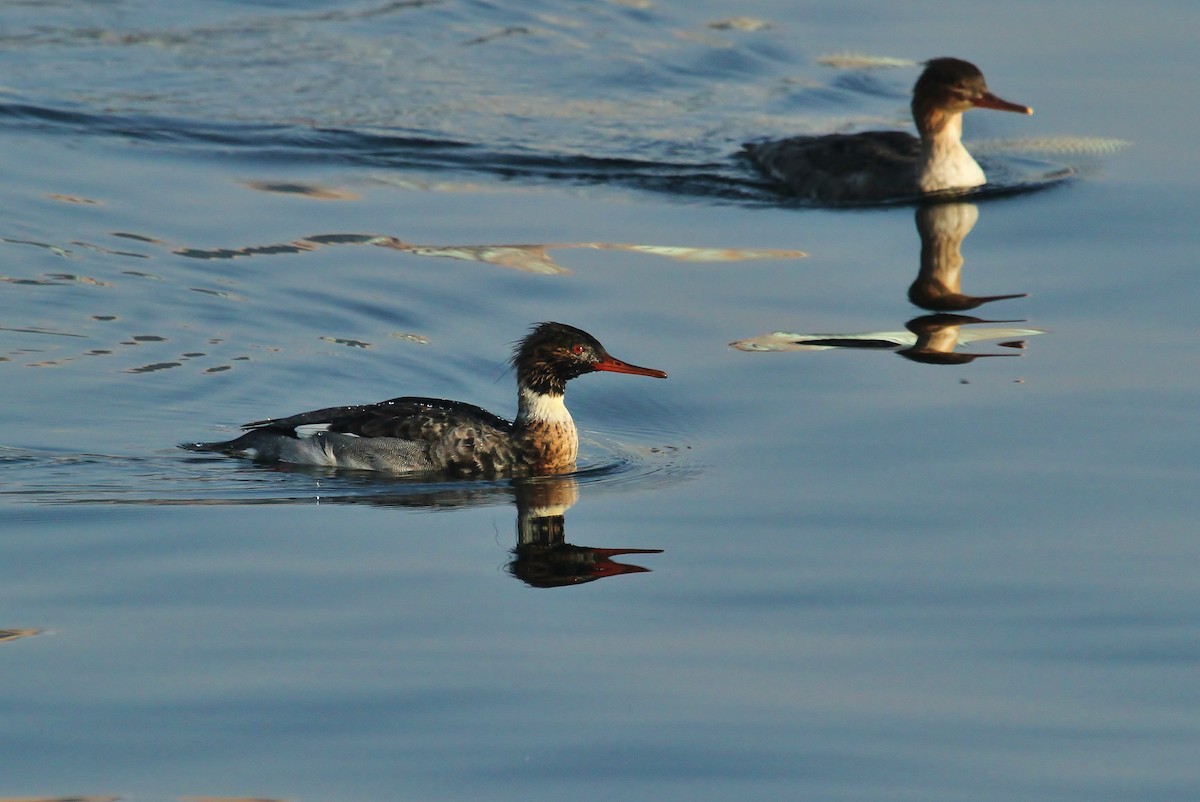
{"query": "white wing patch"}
(309, 429)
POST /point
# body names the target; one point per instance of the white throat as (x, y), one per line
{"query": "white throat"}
(945, 163)
(542, 408)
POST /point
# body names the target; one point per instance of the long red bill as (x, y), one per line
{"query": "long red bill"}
(989, 101)
(614, 365)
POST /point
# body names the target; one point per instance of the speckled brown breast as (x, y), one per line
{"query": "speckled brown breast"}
(550, 447)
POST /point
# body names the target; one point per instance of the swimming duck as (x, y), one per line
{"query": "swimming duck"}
(432, 435)
(883, 165)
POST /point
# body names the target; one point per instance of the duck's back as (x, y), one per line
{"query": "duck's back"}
(400, 435)
(869, 166)
(406, 418)
(435, 434)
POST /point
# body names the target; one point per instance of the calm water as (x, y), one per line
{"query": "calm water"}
(839, 560)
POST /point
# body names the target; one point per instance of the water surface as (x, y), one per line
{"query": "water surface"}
(898, 572)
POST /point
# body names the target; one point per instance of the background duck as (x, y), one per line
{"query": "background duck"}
(882, 165)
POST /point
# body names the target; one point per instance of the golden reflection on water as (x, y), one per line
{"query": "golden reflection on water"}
(88, 798)
(313, 191)
(529, 258)
(16, 634)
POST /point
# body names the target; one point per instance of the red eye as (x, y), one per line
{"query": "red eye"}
(576, 349)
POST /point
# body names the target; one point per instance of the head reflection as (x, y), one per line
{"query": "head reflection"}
(542, 558)
(939, 335)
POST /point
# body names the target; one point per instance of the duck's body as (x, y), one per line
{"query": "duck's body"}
(431, 435)
(884, 165)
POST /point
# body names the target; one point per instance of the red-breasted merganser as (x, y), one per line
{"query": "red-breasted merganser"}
(407, 434)
(882, 165)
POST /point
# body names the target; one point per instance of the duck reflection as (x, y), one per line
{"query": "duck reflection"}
(938, 286)
(542, 557)
(929, 339)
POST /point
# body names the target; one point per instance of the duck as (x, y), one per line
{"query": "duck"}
(875, 166)
(438, 436)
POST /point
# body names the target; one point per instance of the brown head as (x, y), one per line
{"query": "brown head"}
(951, 86)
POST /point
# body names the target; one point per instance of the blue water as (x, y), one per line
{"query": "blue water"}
(893, 572)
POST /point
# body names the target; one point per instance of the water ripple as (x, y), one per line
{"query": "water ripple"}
(167, 479)
(729, 179)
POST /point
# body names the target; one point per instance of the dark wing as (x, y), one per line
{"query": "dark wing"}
(837, 166)
(406, 418)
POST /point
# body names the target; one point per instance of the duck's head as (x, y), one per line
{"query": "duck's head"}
(952, 86)
(554, 353)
